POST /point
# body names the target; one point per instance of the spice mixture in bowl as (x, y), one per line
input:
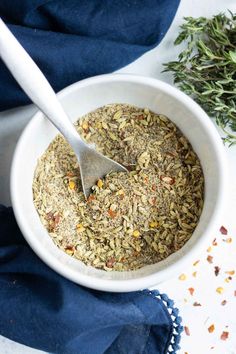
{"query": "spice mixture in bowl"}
(137, 229)
(130, 219)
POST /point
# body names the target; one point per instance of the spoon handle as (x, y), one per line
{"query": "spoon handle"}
(35, 85)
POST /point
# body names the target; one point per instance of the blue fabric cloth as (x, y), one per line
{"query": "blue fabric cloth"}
(43, 310)
(74, 39)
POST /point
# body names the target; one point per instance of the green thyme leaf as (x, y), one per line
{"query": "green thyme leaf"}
(206, 68)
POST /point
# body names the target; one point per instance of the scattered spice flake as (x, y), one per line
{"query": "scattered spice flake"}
(224, 335)
(53, 221)
(191, 290)
(196, 262)
(182, 277)
(230, 272)
(167, 179)
(228, 240)
(121, 193)
(80, 228)
(91, 198)
(70, 174)
(211, 328)
(223, 303)
(220, 290)
(209, 249)
(210, 259)
(72, 185)
(227, 280)
(153, 224)
(100, 183)
(136, 233)
(69, 250)
(196, 304)
(112, 213)
(85, 125)
(234, 292)
(214, 243)
(110, 262)
(217, 270)
(153, 201)
(187, 331)
(223, 230)
(194, 274)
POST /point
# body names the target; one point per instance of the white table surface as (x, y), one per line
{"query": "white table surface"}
(196, 318)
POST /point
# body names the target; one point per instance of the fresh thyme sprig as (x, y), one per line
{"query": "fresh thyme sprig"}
(206, 69)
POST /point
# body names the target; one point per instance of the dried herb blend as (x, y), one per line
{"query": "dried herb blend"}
(130, 219)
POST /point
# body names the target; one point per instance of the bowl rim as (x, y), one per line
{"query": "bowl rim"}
(145, 280)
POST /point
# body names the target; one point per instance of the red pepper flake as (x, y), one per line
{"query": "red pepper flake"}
(112, 213)
(167, 179)
(223, 303)
(91, 198)
(210, 259)
(187, 332)
(196, 262)
(230, 272)
(153, 200)
(196, 304)
(211, 328)
(223, 230)
(191, 290)
(53, 220)
(110, 262)
(224, 335)
(217, 270)
(140, 117)
(70, 174)
(214, 243)
(69, 250)
(154, 187)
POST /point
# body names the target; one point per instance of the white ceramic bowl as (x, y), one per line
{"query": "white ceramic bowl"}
(81, 98)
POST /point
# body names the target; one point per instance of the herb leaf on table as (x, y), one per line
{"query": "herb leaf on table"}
(206, 69)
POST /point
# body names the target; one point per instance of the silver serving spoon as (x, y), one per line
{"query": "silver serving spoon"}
(93, 165)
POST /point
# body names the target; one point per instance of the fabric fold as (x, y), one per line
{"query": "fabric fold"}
(42, 309)
(74, 39)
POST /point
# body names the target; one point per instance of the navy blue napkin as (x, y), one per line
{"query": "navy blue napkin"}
(74, 39)
(43, 310)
